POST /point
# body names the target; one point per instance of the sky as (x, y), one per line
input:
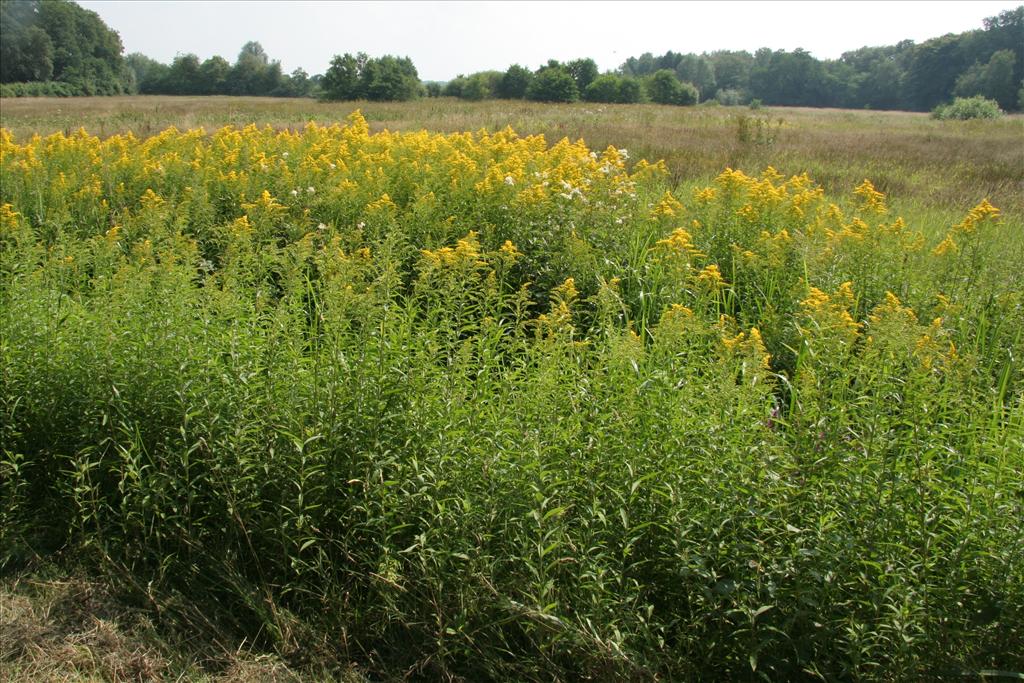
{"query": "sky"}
(445, 39)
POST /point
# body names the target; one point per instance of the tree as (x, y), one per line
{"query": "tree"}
(384, 78)
(254, 73)
(296, 84)
(390, 78)
(993, 80)
(59, 40)
(881, 86)
(342, 79)
(789, 78)
(36, 50)
(213, 76)
(664, 88)
(699, 71)
(603, 89)
(614, 88)
(454, 87)
(933, 70)
(631, 91)
(183, 77)
(147, 75)
(639, 66)
(583, 71)
(553, 83)
(514, 83)
(732, 69)
(476, 88)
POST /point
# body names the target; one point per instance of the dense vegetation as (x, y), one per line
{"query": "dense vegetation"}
(87, 60)
(58, 48)
(253, 73)
(478, 405)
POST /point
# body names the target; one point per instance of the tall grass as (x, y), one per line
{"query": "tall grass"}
(476, 406)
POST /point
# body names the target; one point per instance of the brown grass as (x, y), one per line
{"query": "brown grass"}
(944, 165)
(60, 630)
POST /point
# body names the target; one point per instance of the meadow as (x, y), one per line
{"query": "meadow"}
(507, 391)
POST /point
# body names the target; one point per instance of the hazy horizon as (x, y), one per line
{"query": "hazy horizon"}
(445, 39)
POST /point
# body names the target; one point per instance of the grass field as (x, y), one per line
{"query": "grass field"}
(384, 397)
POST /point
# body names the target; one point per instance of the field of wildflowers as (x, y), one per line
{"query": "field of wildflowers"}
(477, 406)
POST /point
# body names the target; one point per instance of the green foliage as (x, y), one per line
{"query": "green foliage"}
(583, 72)
(613, 88)
(515, 83)
(453, 88)
(382, 79)
(58, 40)
(553, 83)
(476, 88)
(964, 108)
(664, 88)
(729, 97)
(39, 89)
(912, 76)
(604, 88)
(631, 91)
(582, 443)
(700, 72)
(993, 80)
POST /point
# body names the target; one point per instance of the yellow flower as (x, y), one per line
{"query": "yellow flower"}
(265, 203)
(711, 276)
(150, 199)
(668, 206)
(873, 199)
(509, 251)
(946, 246)
(680, 241)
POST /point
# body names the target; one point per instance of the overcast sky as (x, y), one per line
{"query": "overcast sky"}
(445, 39)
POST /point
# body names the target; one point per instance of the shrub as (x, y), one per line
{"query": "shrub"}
(514, 83)
(964, 108)
(40, 89)
(603, 89)
(630, 91)
(665, 88)
(553, 84)
(729, 97)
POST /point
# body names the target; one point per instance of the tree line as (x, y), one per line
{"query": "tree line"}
(54, 47)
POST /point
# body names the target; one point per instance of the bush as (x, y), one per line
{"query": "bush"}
(964, 108)
(614, 89)
(729, 97)
(603, 89)
(630, 91)
(665, 88)
(476, 88)
(553, 84)
(40, 89)
(514, 83)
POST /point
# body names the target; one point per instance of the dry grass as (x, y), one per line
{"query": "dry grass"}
(922, 162)
(76, 629)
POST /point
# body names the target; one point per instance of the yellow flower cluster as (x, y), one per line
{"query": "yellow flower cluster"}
(873, 200)
(465, 253)
(982, 214)
(277, 177)
(748, 345)
(679, 242)
(830, 315)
